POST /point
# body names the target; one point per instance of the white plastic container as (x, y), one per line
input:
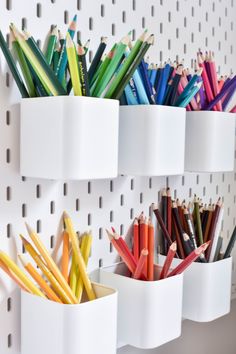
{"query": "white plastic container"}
(87, 328)
(209, 144)
(68, 137)
(151, 140)
(207, 289)
(149, 312)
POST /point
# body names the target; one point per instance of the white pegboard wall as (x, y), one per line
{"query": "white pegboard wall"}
(180, 28)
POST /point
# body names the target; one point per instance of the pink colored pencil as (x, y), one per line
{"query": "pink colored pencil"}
(189, 260)
(215, 85)
(168, 261)
(140, 265)
(205, 79)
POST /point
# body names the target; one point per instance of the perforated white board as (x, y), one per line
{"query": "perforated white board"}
(180, 27)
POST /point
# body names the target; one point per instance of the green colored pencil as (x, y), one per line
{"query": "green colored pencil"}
(198, 220)
(83, 71)
(56, 56)
(102, 68)
(42, 69)
(86, 46)
(125, 67)
(12, 66)
(103, 79)
(120, 88)
(23, 65)
(51, 45)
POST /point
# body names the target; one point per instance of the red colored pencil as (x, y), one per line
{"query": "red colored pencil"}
(140, 265)
(150, 259)
(189, 260)
(143, 241)
(168, 261)
(136, 239)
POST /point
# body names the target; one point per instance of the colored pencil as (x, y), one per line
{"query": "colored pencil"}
(73, 65)
(78, 257)
(39, 280)
(12, 66)
(98, 55)
(21, 275)
(230, 245)
(161, 223)
(83, 71)
(65, 256)
(189, 260)
(150, 258)
(136, 239)
(51, 45)
(141, 264)
(169, 258)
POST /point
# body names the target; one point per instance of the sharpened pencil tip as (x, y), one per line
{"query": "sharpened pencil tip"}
(75, 18)
(28, 228)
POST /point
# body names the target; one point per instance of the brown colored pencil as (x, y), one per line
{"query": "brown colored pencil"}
(214, 221)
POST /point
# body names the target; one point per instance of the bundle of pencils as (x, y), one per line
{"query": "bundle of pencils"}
(190, 226)
(53, 282)
(62, 66)
(173, 85)
(140, 259)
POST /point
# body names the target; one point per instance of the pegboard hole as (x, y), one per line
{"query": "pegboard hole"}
(24, 23)
(38, 191)
(52, 207)
(9, 304)
(66, 17)
(89, 219)
(102, 10)
(111, 186)
(111, 216)
(9, 340)
(52, 241)
(90, 23)
(100, 202)
(65, 189)
(122, 199)
(24, 210)
(8, 155)
(9, 230)
(7, 79)
(100, 263)
(134, 5)
(8, 117)
(132, 184)
(141, 198)
(9, 5)
(100, 233)
(8, 193)
(39, 226)
(150, 183)
(39, 10)
(78, 4)
(131, 214)
(113, 29)
(121, 229)
(152, 11)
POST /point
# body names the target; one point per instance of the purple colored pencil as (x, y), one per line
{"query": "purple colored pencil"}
(222, 93)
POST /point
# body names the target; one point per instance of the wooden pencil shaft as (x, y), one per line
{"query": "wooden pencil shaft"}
(230, 244)
(162, 225)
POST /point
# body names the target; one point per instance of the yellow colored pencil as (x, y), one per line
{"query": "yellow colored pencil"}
(13, 277)
(85, 250)
(21, 275)
(73, 65)
(39, 280)
(50, 263)
(73, 274)
(78, 257)
(38, 260)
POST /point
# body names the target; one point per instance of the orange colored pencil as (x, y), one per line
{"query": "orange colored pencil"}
(143, 242)
(39, 280)
(150, 259)
(140, 265)
(136, 239)
(168, 261)
(65, 256)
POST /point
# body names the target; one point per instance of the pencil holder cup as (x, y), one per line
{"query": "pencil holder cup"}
(87, 328)
(149, 312)
(69, 137)
(209, 142)
(206, 290)
(151, 140)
